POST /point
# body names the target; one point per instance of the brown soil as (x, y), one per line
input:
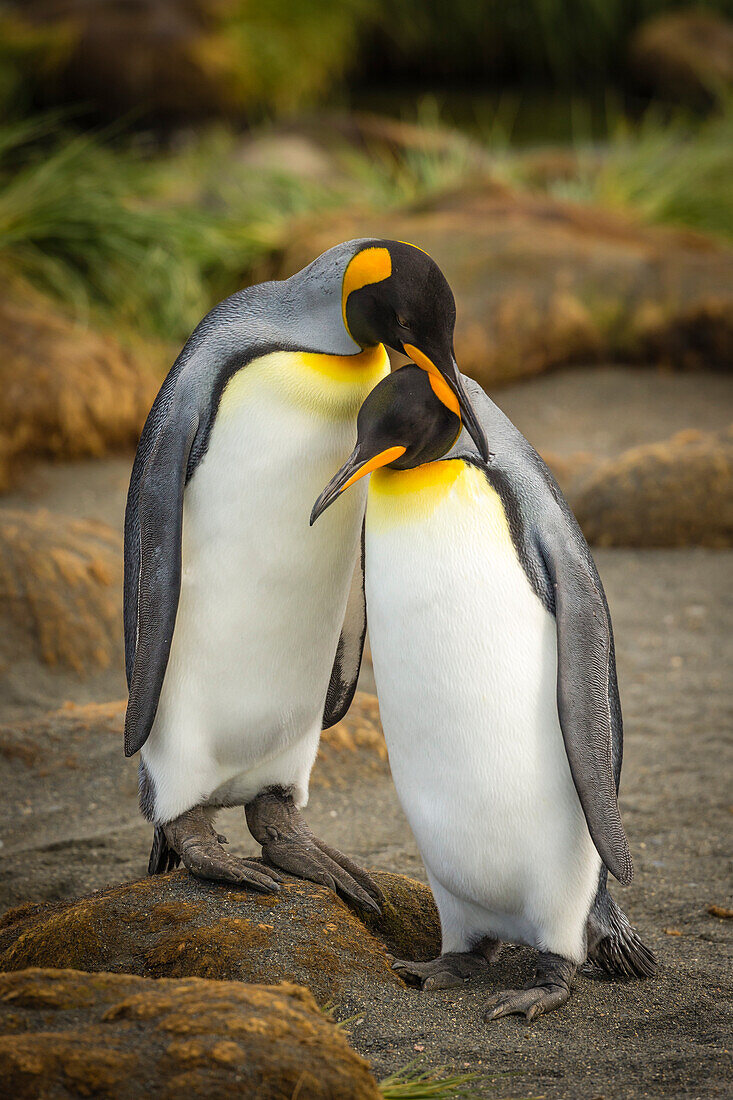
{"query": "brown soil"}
(68, 1034)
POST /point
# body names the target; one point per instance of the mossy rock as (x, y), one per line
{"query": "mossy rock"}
(64, 1033)
(60, 584)
(176, 926)
(409, 923)
(675, 493)
(68, 392)
(541, 283)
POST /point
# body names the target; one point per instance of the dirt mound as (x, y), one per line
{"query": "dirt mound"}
(65, 1033)
(176, 926)
(684, 55)
(540, 283)
(675, 493)
(67, 392)
(59, 590)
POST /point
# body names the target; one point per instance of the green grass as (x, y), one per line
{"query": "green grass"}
(409, 1083)
(146, 243)
(666, 171)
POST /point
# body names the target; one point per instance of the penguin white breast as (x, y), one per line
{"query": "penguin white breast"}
(465, 661)
(263, 594)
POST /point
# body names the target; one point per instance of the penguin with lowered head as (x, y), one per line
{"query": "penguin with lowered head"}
(244, 628)
(494, 663)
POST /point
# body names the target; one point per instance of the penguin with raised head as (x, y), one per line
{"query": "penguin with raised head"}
(494, 662)
(243, 627)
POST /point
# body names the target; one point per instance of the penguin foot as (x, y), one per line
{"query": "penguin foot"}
(287, 843)
(448, 970)
(549, 989)
(193, 837)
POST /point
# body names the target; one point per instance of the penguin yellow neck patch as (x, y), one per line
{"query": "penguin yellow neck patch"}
(330, 385)
(403, 496)
(371, 265)
(397, 497)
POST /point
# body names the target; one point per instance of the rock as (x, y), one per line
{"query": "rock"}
(67, 392)
(409, 923)
(60, 582)
(64, 1033)
(320, 148)
(541, 283)
(384, 138)
(684, 55)
(675, 493)
(176, 926)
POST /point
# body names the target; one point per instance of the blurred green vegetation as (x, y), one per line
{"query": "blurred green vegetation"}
(409, 1083)
(236, 57)
(677, 171)
(147, 232)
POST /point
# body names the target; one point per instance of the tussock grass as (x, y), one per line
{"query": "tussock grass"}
(675, 171)
(409, 1083)
(82, 222)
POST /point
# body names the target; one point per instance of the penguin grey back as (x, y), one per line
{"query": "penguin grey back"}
(561, 569)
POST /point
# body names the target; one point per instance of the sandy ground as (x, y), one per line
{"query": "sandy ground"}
(69, 822)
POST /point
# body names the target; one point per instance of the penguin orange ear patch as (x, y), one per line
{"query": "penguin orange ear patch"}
(371, 265)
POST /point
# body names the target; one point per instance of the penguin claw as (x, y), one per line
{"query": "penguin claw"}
(529, 1003)
(307, 860)
(199, 847)
(239, 872)
(445, 972)
(287, 843)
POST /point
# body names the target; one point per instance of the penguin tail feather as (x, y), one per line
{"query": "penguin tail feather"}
(163, 858)
(620, 951)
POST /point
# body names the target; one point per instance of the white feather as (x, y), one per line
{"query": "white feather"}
(465, 661)
(263, 594)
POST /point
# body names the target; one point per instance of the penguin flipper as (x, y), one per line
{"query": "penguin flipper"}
(586, 690)
(347, 663)
(160, 524)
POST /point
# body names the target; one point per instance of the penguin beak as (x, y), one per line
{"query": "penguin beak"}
(445, 368)
(357, 465)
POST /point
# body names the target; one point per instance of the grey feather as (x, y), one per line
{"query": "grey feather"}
(346, 666)
(559, 565)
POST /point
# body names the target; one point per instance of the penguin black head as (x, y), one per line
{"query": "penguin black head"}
(393, 293)
(410, 417)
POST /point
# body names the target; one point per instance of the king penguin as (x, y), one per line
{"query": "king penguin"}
(244, 629)
(494, 664)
